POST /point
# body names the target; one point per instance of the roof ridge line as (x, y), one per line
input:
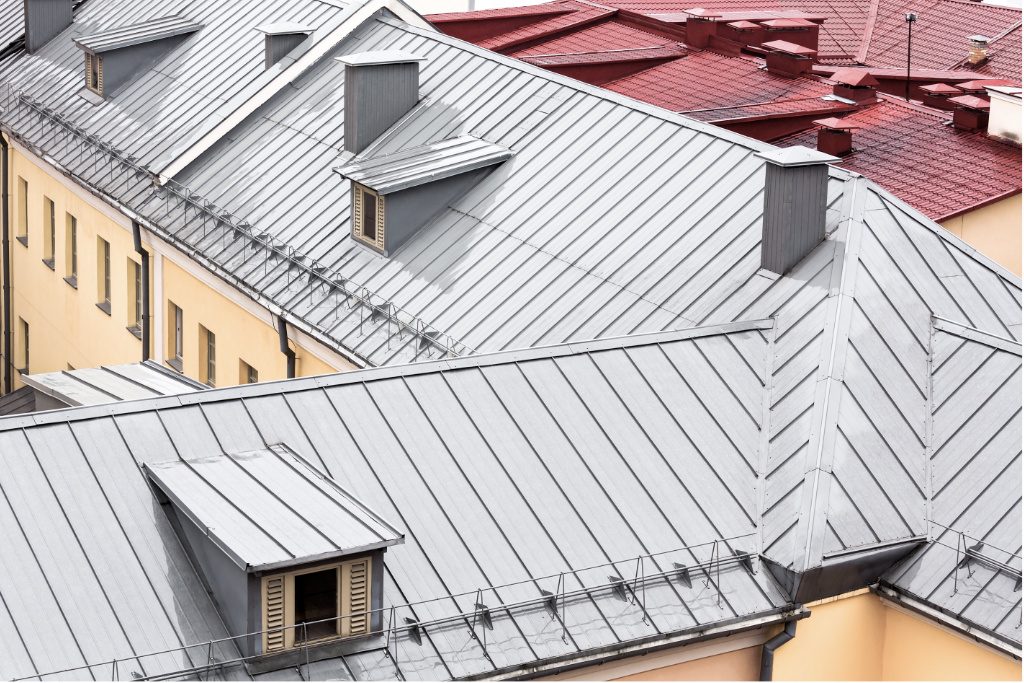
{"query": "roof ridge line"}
(869, 30)
(372, 374)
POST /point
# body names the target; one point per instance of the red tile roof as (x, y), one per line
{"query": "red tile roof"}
(854, 77)
(970, 102)
(911, 151)
(789, 48)
(837, 123)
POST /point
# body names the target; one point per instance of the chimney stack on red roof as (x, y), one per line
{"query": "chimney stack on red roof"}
(977, 51)
(701, 25)
(855, 84)
(788, 59)
(971, 112)
(792, 30)
(937, 95)
(835, 136)
(742, 32)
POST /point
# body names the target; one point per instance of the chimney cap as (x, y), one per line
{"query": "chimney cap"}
(284, 28)
(788, 23)
(380, 57)
(835, 123)
(979, 40)
(941, 89)
(980, 84)
(796, 156)
(743, 25)
(970, 102)
(702, 13)
(790, 48)
(858, 78)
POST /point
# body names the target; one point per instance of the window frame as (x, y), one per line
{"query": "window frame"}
(207, 356)
(50, 238)
(359, 194)
(247, 374)
(22, 199)
(94, 73)
(25, 337)
(103, 284)
(175, 335)
(71, 250)
(134, 302)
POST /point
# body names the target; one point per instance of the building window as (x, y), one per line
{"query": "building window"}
(23, 356)
(134, 298)
(367, 216)
(207, 357)
(50, 227)
(175, 335)
(94, 73)
(71, 250)
(315, 604)
(103, 275)
(247, 374)
(22, 235)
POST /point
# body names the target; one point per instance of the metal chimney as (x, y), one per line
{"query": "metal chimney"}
(280, 39)
(44, 19)
(380, 88)
(795, 200)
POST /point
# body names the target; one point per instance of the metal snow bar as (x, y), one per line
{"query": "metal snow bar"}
(481, 613)
(120, 178)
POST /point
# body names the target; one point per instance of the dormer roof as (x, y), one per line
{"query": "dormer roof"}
(420, 165)
(137, 34)
(268, 509)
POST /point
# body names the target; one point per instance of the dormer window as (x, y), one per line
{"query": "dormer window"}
(291, 558)
(367, 216)
(415, 185)
(125, 51)
(94, 73)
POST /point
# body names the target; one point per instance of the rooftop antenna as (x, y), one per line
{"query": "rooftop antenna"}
(911, 17)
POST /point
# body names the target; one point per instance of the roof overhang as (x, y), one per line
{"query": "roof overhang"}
(137, 34)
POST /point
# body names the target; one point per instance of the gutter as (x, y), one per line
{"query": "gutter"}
(145, 322)
(8, 364)
(282, 334)
(769, 648)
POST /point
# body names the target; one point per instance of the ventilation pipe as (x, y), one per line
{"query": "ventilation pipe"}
(971, 112)
(857, 85)
(701, 26)
(788, 59)
(44, 19)
(282, 334)
(795, 200)
(380, 88)
(768, 649)
(977, 50)
(144, 256)
(280, 39)
(937, 95)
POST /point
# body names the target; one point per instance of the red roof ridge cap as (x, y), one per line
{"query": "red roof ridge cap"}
(940, 114)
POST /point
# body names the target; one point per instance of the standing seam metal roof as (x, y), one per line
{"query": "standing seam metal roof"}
(136, 34)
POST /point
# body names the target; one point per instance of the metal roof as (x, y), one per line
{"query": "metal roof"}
(378, 57)
(284, 28)
(505, 471)
(137, 34)
(268, 508)
(92, 386)
(19, 401)
(413, 167)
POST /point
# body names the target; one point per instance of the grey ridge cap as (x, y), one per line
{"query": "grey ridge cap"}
(137, 34)
(361, 376)
(283, 28)
(378, 57)
(796, 156)
(413, 167)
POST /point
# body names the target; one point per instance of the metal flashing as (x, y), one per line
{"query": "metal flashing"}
(137, 34)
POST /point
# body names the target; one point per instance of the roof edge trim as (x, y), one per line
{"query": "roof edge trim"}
(976, 335)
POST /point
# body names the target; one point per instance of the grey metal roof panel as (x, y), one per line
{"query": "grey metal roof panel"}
(378, 57)
(409, 168)
(284, 28)
(91, 386)
(269, 509)
(19, 401)
(137, 34)
(476, 459)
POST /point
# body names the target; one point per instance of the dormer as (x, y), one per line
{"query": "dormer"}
(115, 56)
(394, 195)
(291, 559)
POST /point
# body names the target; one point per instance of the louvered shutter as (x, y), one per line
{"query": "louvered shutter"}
(357, 212)
(88, 70)
(273, 614)
(356, 597)
(380, 222)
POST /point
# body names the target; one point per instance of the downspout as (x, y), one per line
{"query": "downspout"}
(137, 238)
(6, 246)
(769, 648)
(282, 334)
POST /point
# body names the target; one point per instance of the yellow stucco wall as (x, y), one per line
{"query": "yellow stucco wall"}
(994, 230)
(67, 328)
(863, 637)
(739, 665)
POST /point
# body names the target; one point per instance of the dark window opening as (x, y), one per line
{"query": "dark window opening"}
(369, 216)
(316, 602)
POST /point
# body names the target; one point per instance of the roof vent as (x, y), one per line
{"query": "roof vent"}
(788, 59)
(44, 19)
(937, 95)
(971, 112)
(857, 85)
(280, 39)
(115, 56)
(794, 30)
(835, 136)
(289, 556)
(395, 195)
(795, 200)
(380, 88)
(977, 49)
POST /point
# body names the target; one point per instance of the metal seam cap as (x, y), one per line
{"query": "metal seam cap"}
(137, 34)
